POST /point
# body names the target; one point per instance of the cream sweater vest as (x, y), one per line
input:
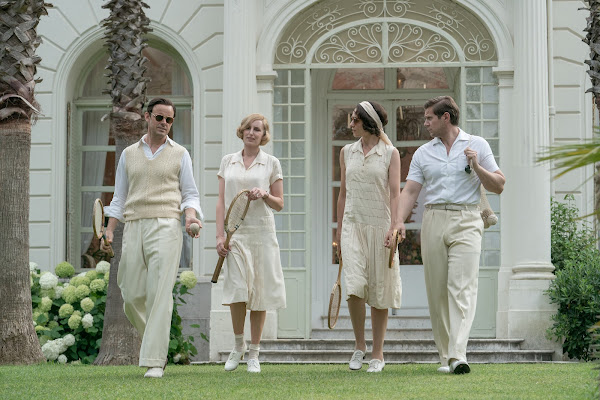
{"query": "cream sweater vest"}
(153, 184)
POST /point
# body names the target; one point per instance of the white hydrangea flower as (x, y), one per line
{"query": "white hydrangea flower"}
(50, 350)
(60, 345)
(58, 290)
(62, 359)
(69, 340)
(48, 281)
(82, 274)
(176, 358)
(32, 266)
(103, 267)
(87, 321)
(188, 279)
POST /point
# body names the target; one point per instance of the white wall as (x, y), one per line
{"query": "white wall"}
(72, 33)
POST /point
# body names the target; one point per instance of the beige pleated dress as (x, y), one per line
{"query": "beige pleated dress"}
(367, 218)
(252, 271)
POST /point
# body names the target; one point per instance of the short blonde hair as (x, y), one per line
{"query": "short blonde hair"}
(248, 120)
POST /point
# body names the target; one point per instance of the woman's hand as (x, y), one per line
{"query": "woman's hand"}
(221, 250)
(389, 238)
(257, 193)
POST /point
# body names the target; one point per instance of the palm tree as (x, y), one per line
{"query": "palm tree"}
(18, 40)
(126, 27)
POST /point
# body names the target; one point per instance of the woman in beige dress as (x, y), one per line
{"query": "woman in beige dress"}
(252, 278)
(367, 216)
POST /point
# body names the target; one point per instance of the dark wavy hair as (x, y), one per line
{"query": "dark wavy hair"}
(369, 124)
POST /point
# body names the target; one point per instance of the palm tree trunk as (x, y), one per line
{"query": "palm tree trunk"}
(18, 341)
(120, 340)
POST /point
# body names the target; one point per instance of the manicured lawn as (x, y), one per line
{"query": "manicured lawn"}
(409, 381)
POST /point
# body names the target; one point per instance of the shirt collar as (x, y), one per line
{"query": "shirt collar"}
(261, 158)
(143, 141)
(462, 136)
(379, 148)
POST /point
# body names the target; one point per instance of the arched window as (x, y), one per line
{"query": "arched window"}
(91, 160)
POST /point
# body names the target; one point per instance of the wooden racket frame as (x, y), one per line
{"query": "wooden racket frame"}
(393, 248)
(100, 235)
(335, 313)
(230, 233)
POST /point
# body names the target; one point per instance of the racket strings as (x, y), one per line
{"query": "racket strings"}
(237, 212)
(98, 219)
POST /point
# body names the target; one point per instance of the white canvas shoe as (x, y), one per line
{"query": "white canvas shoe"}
(356, 361)
(253, 365)
(155, 372)
(234, 359)
(444, 369)
(376, 365)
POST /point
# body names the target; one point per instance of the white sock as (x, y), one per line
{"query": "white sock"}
(254, 350)
(239, 342)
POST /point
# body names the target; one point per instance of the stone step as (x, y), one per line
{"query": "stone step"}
(395, 322)
(398, 356)
(348, 333)
(390, 344)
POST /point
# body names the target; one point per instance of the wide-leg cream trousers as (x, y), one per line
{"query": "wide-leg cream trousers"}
(451, 246)
(147, 274)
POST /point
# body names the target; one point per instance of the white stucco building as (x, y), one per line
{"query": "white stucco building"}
(515, 67)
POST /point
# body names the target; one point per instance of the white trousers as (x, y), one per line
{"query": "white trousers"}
(451, 246)
(147, 274)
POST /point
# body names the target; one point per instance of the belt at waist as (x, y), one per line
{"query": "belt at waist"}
(453, 207)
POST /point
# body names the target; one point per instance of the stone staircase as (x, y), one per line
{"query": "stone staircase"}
(408, 340)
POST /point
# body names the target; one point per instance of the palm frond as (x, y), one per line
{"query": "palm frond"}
(568, 157)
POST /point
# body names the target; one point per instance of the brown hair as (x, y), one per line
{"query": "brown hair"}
(160, 100)
(369, 123)
(444, 104)
(248, 120)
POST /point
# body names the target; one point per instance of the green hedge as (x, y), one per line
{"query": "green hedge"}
(576, 289)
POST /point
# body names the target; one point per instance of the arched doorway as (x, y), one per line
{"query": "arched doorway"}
(335, 54)
(91, 150)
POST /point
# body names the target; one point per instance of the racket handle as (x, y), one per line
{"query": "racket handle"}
(217, 272)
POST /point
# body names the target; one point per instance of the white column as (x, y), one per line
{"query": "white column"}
(239, 68)
(526, 200)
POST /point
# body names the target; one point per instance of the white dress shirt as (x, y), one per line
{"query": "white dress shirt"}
(189, 192)
(443, 175)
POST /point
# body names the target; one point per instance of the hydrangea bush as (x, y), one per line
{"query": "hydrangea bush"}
(68, 313)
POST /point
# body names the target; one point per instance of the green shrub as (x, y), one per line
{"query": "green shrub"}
(576, 289)
(571, 238)
(69, 317)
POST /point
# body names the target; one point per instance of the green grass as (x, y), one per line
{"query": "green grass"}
(408, 381)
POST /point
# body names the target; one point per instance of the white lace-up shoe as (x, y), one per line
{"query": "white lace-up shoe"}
(234, 359)
(356, 361)
(444, 369)
(376, 365)
(155, 372)
(253, 365)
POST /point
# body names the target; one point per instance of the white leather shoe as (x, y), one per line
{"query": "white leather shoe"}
(253, 365)
(356, 361)
(376, 365)
(155, 372)
(444, 370)
(459, 367)
(234, 359)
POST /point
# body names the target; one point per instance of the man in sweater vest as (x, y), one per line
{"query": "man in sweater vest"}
(154, 185)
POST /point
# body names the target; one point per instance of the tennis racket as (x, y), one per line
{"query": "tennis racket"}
(393, 247)
(335, 299)
(235, 216)
(98, 224)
